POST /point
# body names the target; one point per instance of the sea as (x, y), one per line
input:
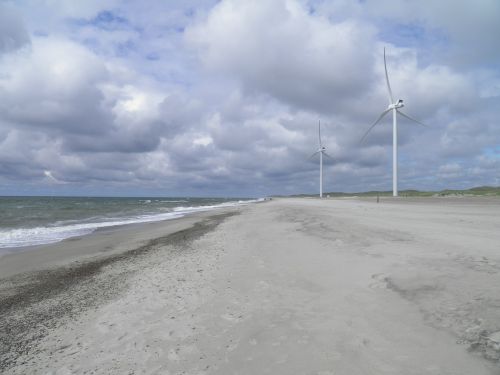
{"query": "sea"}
(29, 221)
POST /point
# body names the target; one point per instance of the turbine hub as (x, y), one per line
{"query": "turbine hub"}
(399, 104)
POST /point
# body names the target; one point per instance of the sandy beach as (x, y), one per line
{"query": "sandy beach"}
(290, 286)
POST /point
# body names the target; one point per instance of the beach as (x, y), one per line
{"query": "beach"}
(288, 286)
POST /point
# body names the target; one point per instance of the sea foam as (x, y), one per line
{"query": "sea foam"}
(23, 237)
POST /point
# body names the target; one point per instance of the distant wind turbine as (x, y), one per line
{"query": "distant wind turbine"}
(395, 108)
(321, 151)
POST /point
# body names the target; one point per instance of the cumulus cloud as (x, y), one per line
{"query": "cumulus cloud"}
(278, 48)
(53, 85)
(60, 92)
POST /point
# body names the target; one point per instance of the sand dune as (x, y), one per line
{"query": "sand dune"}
(291, 286)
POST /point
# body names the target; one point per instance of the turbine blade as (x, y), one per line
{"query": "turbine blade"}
(319, 132)
(391, 100)
(411, 118)
(375, 123)
(324, 153)
(317, 152)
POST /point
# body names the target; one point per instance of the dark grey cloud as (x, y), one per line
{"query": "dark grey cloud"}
(13, 34)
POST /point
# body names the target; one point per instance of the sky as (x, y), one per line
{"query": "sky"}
(223, 98)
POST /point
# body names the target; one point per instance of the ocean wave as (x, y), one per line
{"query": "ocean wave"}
(210, 207)
(44, 235)
(23, 237)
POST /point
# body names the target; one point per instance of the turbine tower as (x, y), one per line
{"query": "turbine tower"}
(321, 151)
(395, 108)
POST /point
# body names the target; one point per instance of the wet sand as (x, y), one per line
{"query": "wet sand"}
(291, 286)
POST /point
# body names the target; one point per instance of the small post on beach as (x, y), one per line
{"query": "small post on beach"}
(377, 197)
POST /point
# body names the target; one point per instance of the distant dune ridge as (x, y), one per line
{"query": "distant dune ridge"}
(287, 286)
(476, 191)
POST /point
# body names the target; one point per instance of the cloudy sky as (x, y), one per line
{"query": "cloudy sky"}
(222, 98)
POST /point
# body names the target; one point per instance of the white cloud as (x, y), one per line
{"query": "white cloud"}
(52, 85)
(280, 49)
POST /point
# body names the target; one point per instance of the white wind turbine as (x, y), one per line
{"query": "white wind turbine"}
(321, 151)
(395, 108)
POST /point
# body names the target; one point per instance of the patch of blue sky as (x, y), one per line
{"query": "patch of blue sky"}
(109, 21)
(91, 43)
(107, 16)
(190, 12)
(41, 33)
(124, 49)
(311, 9)
(493, 152)
(105, 20)
(153, 56)
(413, 34)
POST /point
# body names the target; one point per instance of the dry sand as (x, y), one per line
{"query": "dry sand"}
(291, 286)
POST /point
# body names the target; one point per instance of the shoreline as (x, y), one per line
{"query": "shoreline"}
(16, 260)
(20, 238)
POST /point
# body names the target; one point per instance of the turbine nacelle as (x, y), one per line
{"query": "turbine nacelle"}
(321, 150)
(397, 105)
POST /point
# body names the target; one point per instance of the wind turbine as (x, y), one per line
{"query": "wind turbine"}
(321, 151)
(395, 108)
